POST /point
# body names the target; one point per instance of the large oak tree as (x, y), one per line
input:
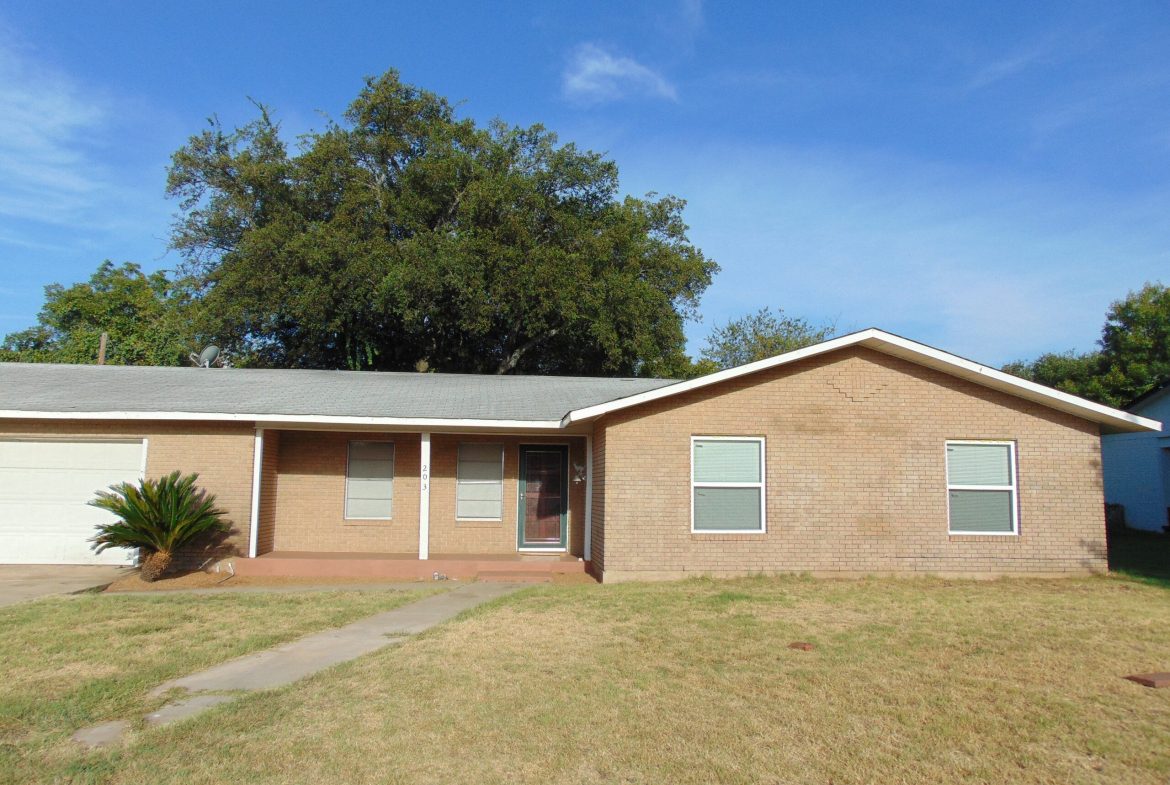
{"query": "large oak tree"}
(404, 234)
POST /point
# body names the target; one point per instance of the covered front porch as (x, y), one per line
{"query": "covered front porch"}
(401, 504)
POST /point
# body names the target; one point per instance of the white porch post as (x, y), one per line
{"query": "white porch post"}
(257, 473)
(424, 500)
(588, 497)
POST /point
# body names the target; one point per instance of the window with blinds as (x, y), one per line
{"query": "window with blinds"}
(479, 485)
(369, 481)
(981, 487)
(727, 484)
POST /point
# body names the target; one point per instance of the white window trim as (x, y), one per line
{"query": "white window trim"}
(503, 450)
(345, 516)
(1013, 488)
(761, 484)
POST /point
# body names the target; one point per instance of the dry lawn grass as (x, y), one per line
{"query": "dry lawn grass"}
(72, 662)
(223, 580)
(911, 681)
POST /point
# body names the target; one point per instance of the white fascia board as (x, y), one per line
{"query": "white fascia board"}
(277, 420)
(904, 348)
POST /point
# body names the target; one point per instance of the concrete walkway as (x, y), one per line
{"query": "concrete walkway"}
(21, 582)
(300, 658)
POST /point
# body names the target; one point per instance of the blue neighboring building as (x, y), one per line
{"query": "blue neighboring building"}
(1136, 466)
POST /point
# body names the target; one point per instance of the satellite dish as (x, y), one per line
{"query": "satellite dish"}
(207, 357)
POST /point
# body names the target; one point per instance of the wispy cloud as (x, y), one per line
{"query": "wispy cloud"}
(46, 123)
(1053, 49)
(691, 12)
(987, 266)
(79, 180)
(595, 75)
(19, 240)
(1008, 66)
(689, 21)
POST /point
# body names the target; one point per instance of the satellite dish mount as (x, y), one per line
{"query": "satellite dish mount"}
(207, 358)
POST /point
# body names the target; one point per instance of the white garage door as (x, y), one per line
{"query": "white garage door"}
(44, 487)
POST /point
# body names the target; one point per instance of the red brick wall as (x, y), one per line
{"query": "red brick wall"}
(302, 500)
(856, 476)
(310, 495)
(451, 536)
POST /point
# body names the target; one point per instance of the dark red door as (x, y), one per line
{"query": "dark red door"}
(543, 496)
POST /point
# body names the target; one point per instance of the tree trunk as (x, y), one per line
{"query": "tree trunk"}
(512, 360)
(154, 565)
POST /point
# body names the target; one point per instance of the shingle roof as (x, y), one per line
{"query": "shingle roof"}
(440, 400)
(237, 391)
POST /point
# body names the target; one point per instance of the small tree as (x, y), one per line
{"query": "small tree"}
(147, 316)
(758, 336)
(1066, 371)
(158, 516)
(1135, 346)
(1134, 357)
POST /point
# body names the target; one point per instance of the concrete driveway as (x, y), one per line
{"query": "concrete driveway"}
(20, 582)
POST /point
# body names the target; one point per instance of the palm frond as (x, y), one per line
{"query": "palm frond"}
(159, 515)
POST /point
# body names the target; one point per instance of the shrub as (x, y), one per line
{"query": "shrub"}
(158, 516)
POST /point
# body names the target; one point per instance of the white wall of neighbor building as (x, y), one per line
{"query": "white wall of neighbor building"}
(1136, 467)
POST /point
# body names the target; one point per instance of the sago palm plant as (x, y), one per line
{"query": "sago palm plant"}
(158, 516)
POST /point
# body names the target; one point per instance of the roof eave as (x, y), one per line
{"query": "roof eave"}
(284, 420)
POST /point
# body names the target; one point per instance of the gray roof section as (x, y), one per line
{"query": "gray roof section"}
(241, 391)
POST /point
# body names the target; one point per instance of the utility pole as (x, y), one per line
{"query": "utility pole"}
(102, 349)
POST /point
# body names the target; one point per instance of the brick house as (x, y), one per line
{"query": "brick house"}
(865, 454)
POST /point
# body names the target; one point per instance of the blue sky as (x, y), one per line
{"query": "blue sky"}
(984, 177)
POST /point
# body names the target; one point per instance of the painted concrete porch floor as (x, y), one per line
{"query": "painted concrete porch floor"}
(518, 557)
(303, 657)
(407, 566)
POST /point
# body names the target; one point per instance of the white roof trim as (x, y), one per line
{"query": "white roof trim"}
(280, 419)
(906, 349)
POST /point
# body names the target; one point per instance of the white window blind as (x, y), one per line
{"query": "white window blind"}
(479, 486)
(369, 481)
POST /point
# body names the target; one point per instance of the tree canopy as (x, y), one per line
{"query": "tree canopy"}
(1134, 354)
(148, 318)
(757, 336)
(405, 234)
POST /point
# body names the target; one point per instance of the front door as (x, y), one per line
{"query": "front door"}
(544, 496)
